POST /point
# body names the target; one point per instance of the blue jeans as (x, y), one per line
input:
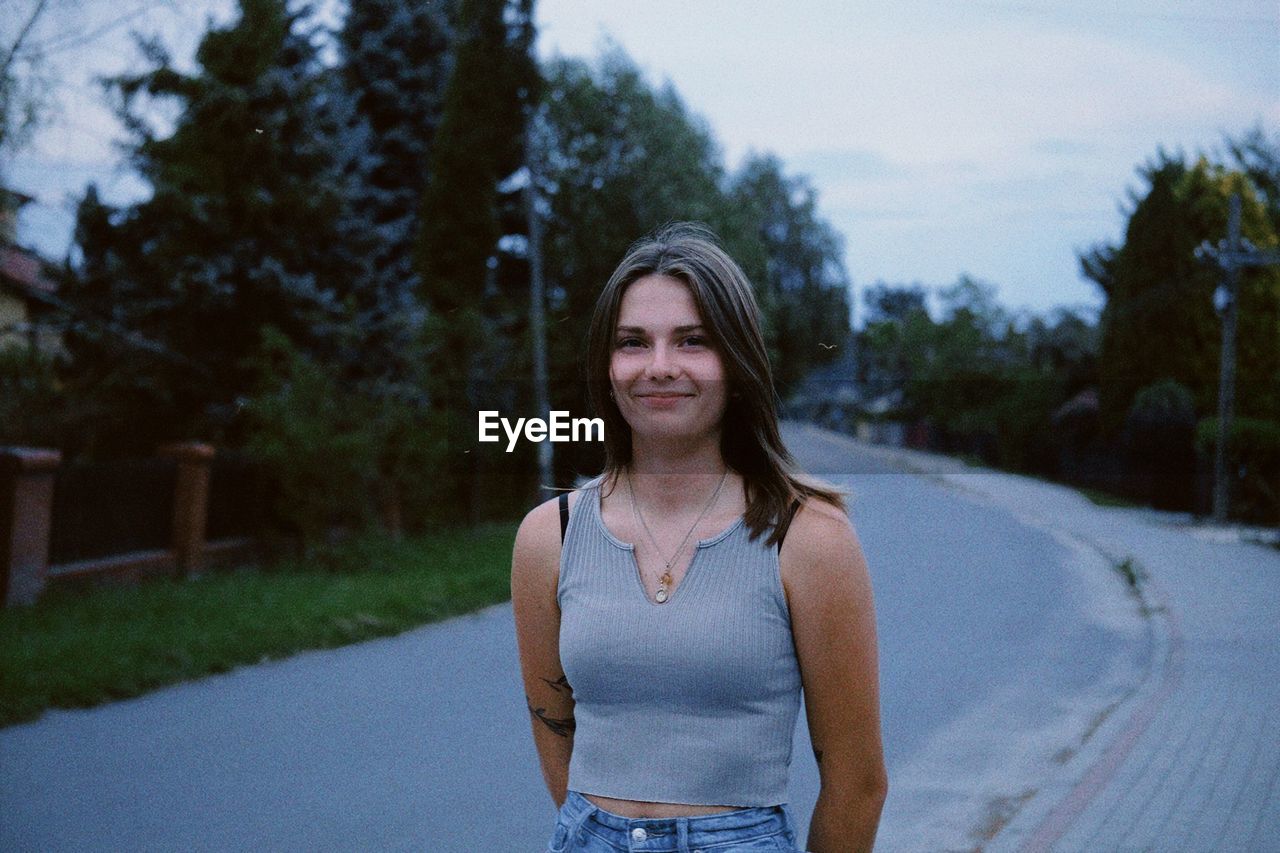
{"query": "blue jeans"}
(583, 827)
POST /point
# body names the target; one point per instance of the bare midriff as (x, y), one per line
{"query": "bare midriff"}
(641, 809)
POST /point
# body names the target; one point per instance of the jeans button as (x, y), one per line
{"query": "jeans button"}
(638, 834)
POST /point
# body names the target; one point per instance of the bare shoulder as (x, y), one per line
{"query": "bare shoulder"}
(821, 547)
(538, 545)
(813, 525)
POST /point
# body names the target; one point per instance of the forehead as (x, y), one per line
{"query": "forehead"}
(656, 303)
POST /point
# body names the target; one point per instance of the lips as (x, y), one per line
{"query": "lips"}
(665, 396)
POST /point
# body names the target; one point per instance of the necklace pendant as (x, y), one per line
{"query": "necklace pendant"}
(661, 595)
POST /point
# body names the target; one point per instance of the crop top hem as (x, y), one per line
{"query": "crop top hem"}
(594, 792)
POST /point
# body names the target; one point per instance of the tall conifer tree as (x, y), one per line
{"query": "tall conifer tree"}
(395, 65)
(244, 226)
(479, 144)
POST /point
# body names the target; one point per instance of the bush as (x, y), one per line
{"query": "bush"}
(30, 401)
(342, 457)
(1253, 461)
(1159, 443)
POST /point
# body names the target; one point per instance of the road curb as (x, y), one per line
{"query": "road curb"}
(1049, 815)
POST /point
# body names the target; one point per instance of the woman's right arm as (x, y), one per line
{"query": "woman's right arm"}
(535, 570)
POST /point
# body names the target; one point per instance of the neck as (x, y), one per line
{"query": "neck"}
(664, 492)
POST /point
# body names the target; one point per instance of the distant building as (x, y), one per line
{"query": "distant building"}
(27, 293)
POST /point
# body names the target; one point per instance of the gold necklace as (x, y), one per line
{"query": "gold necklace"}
(664, 582)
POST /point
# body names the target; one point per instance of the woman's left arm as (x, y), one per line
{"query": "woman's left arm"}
(833, 622)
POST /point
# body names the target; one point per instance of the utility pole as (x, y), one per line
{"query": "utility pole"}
(1231, 255)
(537, 310)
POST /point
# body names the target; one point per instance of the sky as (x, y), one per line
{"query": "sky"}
(991, 139)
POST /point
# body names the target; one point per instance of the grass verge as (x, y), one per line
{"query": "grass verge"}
(1100, 498)
(1132, 575)
(77, 650)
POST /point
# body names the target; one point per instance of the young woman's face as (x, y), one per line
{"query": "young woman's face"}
(667, 376)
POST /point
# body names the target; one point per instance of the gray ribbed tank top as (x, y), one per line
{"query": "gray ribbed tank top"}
(692, 701)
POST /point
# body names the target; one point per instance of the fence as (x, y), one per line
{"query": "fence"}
(122, 519)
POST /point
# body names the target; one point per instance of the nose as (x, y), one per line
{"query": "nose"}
(661, 364)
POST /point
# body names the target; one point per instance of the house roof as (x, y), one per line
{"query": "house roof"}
(23, 268)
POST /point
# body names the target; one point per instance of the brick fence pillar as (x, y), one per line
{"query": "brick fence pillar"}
(190, 503)
(26, 508)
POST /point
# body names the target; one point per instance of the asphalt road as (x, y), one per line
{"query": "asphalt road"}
(998, 640)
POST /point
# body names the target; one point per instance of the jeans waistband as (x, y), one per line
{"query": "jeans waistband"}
(767, 818)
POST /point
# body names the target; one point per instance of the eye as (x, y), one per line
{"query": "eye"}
(624, 341)
(701, 341)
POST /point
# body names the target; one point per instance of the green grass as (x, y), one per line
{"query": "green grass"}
(1130, 572)
(1105, 498)
(77, 649)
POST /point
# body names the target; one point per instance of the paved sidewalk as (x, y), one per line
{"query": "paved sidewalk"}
(1189, 761)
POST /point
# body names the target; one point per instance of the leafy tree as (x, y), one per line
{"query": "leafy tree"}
(339, 459)
(1159, 319)
(29, 398)
(892, 302)
(1066, 345)
(1259, 157)
(896, 328)
(802, 284)
(985, 381)
(956, 376)
(615, 159)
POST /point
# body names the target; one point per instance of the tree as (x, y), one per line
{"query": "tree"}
(1259, 158)
(479, 144)
(894, 303)
(34, 36)
(983, 380)
(802, 283)
(896, 328)
(22, 89)
(244, 228)
(1159, 322)
(395, 63)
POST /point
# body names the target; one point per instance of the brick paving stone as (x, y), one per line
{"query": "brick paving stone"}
(1136, 779)
(1266, 828)
(1182, 777)
(1252, 796)
(1207, 832)
(1187, 811)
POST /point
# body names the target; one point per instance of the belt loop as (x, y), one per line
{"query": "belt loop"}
(579, 821)
(682, 834)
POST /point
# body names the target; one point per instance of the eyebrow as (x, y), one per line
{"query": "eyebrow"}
(642, 330)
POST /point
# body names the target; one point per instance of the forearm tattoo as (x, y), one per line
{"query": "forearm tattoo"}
(563, 726)
(560, 685)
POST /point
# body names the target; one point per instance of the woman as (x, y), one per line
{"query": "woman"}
(666, 631)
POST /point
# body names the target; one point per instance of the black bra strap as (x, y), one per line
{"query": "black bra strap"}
(564, 514)
(786, 522)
